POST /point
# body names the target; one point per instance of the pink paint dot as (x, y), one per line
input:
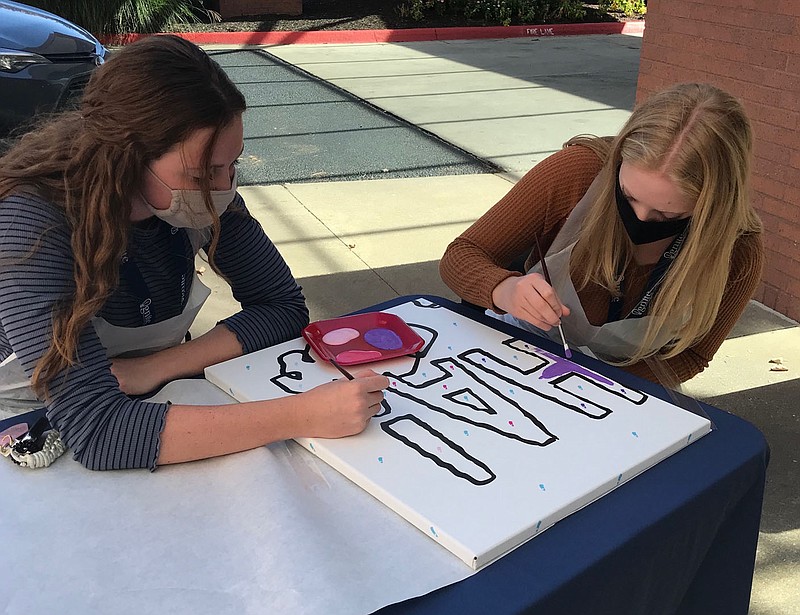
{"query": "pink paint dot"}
(444, 386)
(394, 384)
(511, 423)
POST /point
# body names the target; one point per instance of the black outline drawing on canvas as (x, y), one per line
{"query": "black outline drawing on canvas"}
(482, 405)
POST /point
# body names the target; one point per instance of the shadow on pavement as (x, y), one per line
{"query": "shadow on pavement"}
(768, 408)
(332, 295)
(299, 128)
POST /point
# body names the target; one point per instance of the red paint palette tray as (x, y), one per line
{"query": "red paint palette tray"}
(362, 338)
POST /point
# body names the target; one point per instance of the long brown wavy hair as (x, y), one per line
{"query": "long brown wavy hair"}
(700, 137)
(148, 98)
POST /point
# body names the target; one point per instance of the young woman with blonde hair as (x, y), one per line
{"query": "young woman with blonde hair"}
(651, 243)
(102, 211)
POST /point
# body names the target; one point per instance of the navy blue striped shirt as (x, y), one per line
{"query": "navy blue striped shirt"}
(105, 428)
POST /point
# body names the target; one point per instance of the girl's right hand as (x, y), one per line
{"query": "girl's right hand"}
(532, 299)
(342, 407)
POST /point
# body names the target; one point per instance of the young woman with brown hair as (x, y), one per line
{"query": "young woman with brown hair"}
(651, 242)
(101, 214)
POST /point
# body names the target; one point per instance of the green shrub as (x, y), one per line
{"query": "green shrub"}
(124, 16)
(503, 12)
(628, 7)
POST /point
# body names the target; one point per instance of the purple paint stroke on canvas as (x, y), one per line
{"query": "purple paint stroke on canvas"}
(561, 366)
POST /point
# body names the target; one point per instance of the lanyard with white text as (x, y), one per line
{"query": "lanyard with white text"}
(653, 284)
(130, 271)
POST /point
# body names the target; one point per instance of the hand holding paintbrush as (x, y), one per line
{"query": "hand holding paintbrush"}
(546, 273)
(533, 299)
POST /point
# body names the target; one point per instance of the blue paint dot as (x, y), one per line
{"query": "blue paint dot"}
(424, 374)
(634, 434)
(580, 387)
(622, 390)
(538, 525)
(511, 391)
(466, 432)
(515, 356)
(433, 531)
(231, 390)
(541, 486)
(455, 324)
(449, 347)
(311, 445)
(380, 459)
(247, 367)
(466, 396)
(689, 438)
(483, 359)
(583, 405)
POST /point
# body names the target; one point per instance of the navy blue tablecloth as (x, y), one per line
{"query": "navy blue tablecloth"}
(680, 538)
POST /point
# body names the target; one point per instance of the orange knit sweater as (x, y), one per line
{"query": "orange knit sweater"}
(475, 263)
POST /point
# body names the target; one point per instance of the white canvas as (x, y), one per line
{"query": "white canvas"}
(483, 440)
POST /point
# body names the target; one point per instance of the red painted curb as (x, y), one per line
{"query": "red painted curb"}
(318, 37)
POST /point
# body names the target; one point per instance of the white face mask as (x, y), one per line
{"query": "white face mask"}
(187, 208)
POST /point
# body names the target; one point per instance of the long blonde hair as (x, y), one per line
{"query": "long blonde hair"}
(148, 98)
(700, 137)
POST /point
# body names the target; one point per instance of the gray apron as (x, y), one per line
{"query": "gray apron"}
(612, 341)
(17, 397)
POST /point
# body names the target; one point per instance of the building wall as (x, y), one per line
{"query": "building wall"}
(751, 48)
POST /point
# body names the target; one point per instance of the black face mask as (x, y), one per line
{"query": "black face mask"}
(645, 232)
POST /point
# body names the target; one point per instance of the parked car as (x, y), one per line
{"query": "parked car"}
(45, 63)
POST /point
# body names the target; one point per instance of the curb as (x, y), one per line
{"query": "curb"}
(320, 37)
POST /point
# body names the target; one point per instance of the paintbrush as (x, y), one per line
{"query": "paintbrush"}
(567, 351)
(341, 369)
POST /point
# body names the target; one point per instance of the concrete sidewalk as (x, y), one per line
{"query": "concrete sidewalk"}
(512, 102)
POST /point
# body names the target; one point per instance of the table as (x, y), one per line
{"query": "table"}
(680, 538)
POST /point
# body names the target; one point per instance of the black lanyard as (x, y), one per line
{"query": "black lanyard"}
(653, 284)
(130, 271)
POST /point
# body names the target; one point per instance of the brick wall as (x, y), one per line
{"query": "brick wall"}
(751, 48)
(243, 8)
